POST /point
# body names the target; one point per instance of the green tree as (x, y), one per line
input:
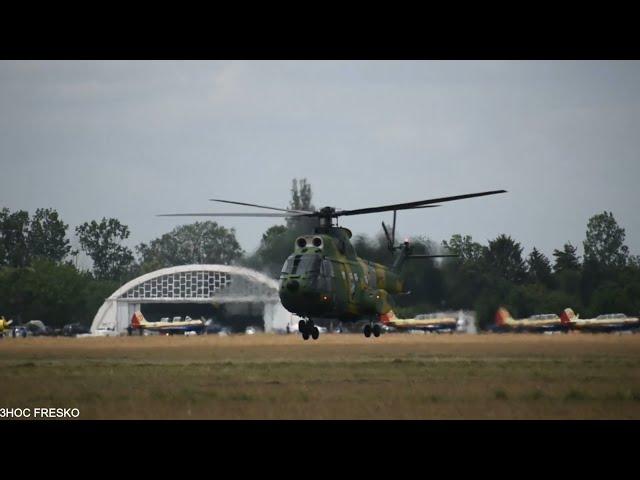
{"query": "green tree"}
(566, 259)
(539, 268)
(48, 291)
(614, 296)
(604, 244)
(634, 261)
(504, 258)
(47, 236)
(199, 242)
(102, 242)
(465, 276)
(467, 250)
(301, 195)
(301, 199)
(534, 298)
(4, 213)
(272, 232)
(14, 230)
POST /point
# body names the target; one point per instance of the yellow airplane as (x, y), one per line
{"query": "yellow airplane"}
(4, 325)
(610, 322)
(431, 322)
(138, 322)
(547, 322)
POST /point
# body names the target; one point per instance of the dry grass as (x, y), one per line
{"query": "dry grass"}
(339, 376)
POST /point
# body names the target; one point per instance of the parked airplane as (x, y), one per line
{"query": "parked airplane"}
(170, 327)
(432, 322)
(609, 322)
(4, 325)
(547, 322)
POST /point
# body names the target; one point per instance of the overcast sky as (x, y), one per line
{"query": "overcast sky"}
(132, 139)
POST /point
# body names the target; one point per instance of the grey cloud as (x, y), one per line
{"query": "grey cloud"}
(133, 139)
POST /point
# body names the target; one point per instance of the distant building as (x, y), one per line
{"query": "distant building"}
(235, 287)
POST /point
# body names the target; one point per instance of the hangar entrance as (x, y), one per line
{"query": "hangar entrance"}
(233, 317)
(235, 296)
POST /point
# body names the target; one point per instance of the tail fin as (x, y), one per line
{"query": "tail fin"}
(567, 316)
(138, 320)
(502, 316)
(388, 317)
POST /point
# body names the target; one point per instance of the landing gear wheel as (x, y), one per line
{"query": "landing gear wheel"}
(376, 330)
(367, 331)
(315, 333)
(302, 326)
(305, 335)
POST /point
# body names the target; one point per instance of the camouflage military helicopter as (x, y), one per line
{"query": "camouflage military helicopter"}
(324, 277)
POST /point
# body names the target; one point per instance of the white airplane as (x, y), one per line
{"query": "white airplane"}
(169, 327)
(609, 322)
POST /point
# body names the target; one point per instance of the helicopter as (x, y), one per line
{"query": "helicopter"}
(325, 278)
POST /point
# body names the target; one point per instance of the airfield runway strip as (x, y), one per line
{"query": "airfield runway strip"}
(339, 376)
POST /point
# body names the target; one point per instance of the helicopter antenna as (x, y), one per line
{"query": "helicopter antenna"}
(386, 233)
(391, 239)
(393, 230)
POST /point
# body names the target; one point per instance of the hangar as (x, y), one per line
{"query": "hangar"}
(193, 285)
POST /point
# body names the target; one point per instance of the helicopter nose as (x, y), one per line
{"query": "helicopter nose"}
(293, 285)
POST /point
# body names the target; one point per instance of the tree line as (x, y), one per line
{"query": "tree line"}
(38, 279)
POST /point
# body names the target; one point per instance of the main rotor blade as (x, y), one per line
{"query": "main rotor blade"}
(369, 210)
(338, 213)
(259, 206)
(230, 215)
(419, 204)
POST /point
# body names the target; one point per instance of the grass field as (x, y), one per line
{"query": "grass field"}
(397, 376)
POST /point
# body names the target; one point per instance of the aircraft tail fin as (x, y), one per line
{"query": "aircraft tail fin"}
(567, 316)
(502, 316)
(138, 320)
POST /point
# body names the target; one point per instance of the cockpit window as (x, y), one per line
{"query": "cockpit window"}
(306, 264)
(301, 264)
(288, 266)
(327, 268)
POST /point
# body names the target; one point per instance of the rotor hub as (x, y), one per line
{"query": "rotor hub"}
(326, 215)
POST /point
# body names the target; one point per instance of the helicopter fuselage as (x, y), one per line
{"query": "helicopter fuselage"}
(324, 278)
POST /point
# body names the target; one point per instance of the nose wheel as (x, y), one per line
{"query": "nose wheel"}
(308, 329)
